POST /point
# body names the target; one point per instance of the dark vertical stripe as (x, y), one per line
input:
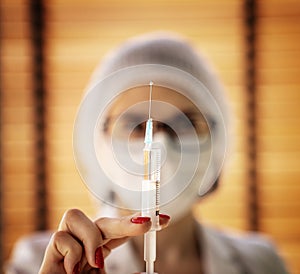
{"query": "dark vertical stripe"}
(1, 156)
(251, 89)
(39, 93)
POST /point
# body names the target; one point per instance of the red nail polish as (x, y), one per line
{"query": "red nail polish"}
(164, 216)
(76, 269)
(99, 259)
(140, 220)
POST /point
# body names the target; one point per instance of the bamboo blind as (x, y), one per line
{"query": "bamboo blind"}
(278, 68)
(17, 128)
(79, 33)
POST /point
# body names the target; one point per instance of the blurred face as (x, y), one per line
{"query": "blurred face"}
(190, 133)
(180, 130)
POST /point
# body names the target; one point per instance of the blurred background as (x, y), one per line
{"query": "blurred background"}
(49, 50)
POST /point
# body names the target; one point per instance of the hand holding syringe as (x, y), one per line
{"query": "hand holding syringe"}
(150, 191)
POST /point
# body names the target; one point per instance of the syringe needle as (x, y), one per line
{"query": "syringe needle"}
(149, 124)
(150, 99)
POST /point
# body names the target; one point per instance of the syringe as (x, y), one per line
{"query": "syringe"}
(151, 191)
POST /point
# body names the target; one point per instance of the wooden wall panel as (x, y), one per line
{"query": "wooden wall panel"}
(278, 132)
(16, 124)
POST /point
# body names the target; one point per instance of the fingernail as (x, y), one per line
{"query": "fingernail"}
(76, 269)
(140, 220)
(99, 259)
(164, 216)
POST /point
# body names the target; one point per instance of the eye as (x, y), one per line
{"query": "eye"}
(138, 131)
(183, 124)
(200, 126)
(165, 128)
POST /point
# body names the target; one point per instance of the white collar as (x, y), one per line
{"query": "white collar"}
(219, 256)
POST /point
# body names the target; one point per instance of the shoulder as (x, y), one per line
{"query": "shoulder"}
(255, 251)
(28, 253)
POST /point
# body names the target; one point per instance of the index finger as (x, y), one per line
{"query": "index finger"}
(115, 228)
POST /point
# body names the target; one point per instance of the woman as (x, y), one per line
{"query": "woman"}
(184, 245)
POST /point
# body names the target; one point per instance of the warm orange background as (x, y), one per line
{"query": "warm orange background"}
(78, 33)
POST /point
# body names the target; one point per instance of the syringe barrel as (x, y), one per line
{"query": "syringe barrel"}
(149, 199)
(151, 185)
